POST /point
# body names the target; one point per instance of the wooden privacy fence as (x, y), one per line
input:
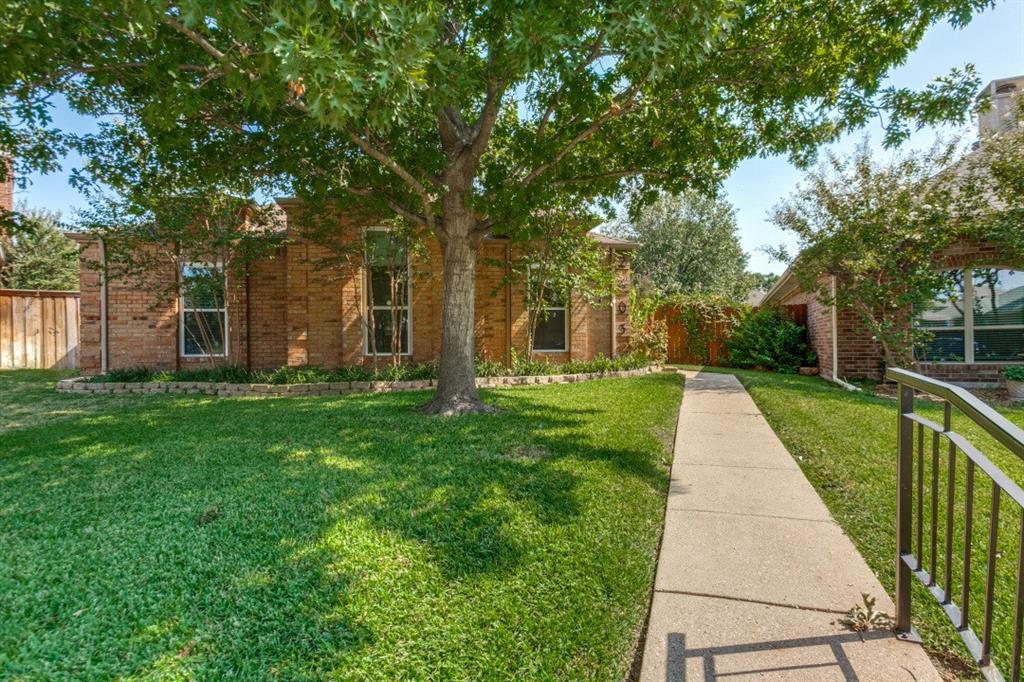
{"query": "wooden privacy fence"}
(38, 329)
(679, 347)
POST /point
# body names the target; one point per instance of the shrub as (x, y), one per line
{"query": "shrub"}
(128, 374)
(310, 374)
(649, 337)
(1014, 373)
(490, 368)
(768, 339)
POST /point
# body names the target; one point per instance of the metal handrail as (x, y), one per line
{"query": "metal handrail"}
(998, 426)
(909, 563)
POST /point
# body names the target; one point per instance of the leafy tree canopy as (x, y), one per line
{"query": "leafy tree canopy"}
(39, 256)
(688, 244)
(762, 281)
(462, 117)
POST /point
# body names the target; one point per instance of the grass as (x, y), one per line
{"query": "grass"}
(173, 537)
(846, 445)
(28, 398)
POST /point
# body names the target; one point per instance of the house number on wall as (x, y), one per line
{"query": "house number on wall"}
(622, 329)
(622, 307)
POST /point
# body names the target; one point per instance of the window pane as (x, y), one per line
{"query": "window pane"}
(998, 297)
(553, 298)
(384, 247)
(202, 286)
(946, 346)
(550, 333)
(380, 280)
(382, 333)
(204, 333)
(998, 345)
(947, 310)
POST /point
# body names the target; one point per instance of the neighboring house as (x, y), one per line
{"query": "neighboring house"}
(755, 297)
(289, 313)
(972, 343)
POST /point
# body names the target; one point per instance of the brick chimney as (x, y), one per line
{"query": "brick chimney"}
(1003, 97)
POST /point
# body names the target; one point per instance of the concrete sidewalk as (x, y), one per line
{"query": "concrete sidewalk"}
(753, 572)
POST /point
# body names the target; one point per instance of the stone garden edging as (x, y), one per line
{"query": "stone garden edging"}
(83, 385)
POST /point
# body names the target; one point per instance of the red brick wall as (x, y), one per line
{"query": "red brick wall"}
(7, 188)
(292, 313)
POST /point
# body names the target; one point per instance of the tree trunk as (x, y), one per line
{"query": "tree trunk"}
(456, 373)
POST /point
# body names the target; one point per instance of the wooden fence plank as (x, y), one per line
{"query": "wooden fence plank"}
(46, 325)
(38, 329)
(6, 334)
(20, 332)
(70, 358)
(680, 352)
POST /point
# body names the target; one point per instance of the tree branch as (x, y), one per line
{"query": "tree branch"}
(614, 111)
(609, 175)
(592, 56)
(397, 169)
(484, 124)
(199, 40)
(209, 47)
(398, 208)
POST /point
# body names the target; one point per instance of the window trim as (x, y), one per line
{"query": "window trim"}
(367, 352)
(968, 327)
(565, 337)
(182, 310)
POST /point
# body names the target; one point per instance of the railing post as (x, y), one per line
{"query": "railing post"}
(904, 500)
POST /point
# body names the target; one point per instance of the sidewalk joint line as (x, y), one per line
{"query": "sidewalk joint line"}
(748, 514)
(746, 600)
(739, 466)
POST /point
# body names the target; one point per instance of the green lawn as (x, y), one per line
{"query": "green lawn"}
(846, 445)
(350, 538)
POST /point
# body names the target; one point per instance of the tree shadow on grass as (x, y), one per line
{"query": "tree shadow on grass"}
(215, 536)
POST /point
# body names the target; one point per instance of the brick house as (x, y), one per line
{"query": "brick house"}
(972, 343)
(289, 313)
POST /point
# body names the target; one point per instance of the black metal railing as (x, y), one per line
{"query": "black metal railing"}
(912, 547)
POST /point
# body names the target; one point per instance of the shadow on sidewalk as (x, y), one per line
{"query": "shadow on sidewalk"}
(807, 657)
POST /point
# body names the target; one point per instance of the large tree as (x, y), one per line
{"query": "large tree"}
(688, 244)
(462, 117)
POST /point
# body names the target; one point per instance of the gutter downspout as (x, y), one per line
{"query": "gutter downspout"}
(615, 340)
(103, 307)
(248, 323)
(508, 304)
(835, 344)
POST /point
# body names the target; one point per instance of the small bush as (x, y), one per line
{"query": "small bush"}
(1014, 373)
(128, 374)
(768, 339)
(490, 368)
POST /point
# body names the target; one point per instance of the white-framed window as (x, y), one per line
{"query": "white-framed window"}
(978, 317)
(388, 281)
(552, 333)
(203, 323)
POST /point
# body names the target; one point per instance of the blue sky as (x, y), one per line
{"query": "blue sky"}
(993, 42)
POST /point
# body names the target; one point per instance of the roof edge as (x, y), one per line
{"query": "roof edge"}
(782, 287)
